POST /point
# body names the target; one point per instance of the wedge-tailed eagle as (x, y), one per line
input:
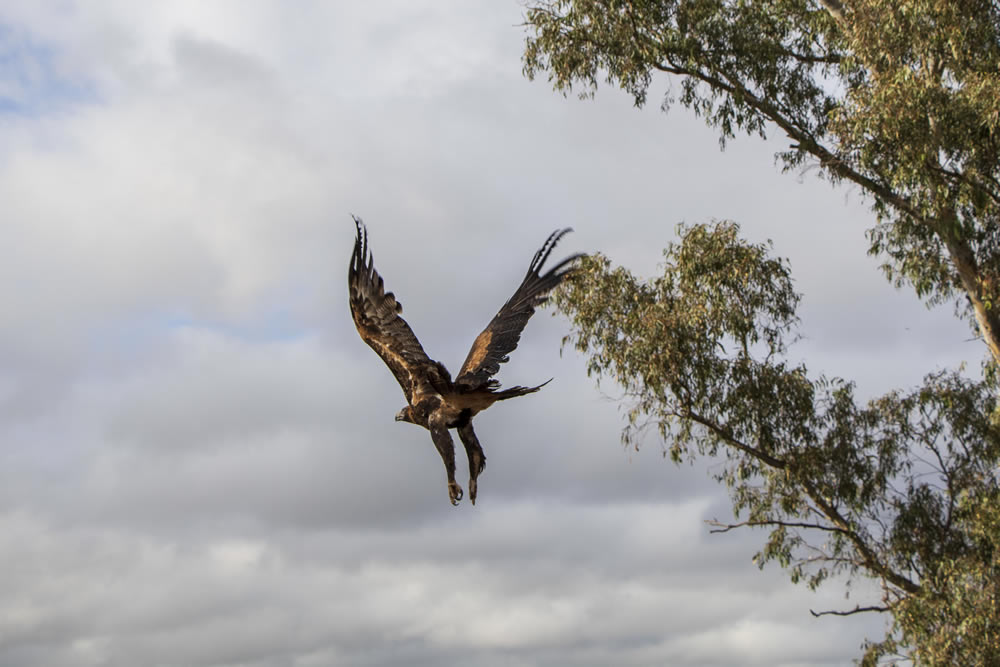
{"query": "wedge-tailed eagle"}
(434, 400)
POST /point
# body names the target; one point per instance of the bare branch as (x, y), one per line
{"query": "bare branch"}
(849, 612)
(721, 527)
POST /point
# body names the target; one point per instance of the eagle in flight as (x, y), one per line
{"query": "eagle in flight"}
(434, 400)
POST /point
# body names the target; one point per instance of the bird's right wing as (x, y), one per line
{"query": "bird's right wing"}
(376, 315)
(501, 335)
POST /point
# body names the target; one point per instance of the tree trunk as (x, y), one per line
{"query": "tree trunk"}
(983, 303)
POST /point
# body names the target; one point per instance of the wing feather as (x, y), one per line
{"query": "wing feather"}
(500, 337)
(376, 315)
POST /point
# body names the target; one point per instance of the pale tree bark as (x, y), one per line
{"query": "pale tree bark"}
(976, 287)
(834, 7)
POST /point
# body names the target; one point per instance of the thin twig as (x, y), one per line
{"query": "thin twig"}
(856, 610)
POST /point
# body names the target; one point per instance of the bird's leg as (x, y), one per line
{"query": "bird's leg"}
(477, 459)
(445, 446)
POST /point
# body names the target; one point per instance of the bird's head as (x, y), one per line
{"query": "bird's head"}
(405, 415)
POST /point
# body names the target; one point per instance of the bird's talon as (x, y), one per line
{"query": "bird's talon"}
(454, 492)
(473, 488)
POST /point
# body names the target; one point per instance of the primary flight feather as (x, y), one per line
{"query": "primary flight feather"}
(433, 400)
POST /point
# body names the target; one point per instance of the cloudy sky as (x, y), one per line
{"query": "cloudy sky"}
(198, 459)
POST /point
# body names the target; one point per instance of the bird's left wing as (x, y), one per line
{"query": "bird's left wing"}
(501, 335)
(376, 315)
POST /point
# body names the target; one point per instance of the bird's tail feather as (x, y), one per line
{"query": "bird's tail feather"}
(514, 392)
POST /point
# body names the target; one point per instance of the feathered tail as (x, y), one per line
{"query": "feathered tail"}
(514, 392)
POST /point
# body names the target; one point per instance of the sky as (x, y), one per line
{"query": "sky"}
(199, 464)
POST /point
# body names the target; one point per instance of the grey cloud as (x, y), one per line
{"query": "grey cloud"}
(255, 601)
(216, 65)
(200, 465)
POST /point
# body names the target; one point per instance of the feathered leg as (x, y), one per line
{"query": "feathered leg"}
(446, 447)
(477, 459)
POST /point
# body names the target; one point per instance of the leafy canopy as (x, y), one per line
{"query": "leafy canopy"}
(901, 489)
(900, 98)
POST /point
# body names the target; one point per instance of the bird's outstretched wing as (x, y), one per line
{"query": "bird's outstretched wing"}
(502, 334)
(376, 315)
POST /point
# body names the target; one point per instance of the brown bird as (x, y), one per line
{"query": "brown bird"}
(434, 401)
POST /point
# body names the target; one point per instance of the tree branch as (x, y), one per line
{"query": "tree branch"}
(727, 436)
(835, 9)
(869, 557)
(840, 522)
(849, 612)
(806, 141)
(960, 252)
(726, 527)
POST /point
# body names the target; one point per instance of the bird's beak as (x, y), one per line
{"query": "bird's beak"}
(401, 415)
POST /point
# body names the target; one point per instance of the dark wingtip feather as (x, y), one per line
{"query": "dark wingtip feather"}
(569, 263)
(543, 253)
(362, 230)
(361, 258)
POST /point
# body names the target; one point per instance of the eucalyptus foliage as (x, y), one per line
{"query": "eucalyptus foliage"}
(899, 97)
(902, 489)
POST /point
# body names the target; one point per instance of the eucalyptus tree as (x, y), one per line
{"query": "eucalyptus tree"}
(900, 98)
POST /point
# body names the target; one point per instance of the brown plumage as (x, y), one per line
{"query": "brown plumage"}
(434, 401)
